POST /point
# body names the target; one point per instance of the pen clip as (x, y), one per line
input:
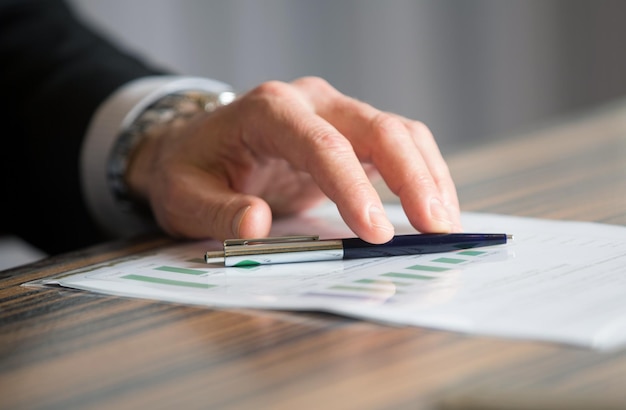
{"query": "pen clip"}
(276, 239)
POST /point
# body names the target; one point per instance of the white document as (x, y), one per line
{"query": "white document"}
(557, 281)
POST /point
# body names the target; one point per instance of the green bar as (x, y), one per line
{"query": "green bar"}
(380, 282)
(428, 268)
(407, 275)
(471, 253)
(359, 289)
(180, 270)
(449, 260)
(150, 279)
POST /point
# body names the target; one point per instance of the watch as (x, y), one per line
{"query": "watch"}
(182, 104)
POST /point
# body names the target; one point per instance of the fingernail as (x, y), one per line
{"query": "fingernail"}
(239, 216)
(457, 226)
(440, 214)
(379, 219)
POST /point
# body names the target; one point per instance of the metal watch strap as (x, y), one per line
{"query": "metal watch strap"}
(164, 110)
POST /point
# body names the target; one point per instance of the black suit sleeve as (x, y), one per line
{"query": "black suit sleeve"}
(54, 73)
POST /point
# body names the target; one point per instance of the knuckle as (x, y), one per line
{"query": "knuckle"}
(387, 128)
(313, 82)
(423, 181)
(361, 189)
(261, 101)
(419, 129)
(323, 140)
(270, 89)
(326, 146)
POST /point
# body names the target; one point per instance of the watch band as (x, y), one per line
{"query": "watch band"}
(166, 109)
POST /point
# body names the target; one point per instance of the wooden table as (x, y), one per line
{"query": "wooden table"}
(63, 349)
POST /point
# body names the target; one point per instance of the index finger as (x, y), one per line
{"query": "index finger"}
(281, 123)
(404, 152)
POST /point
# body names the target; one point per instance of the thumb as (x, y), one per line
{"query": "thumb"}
(199, 205)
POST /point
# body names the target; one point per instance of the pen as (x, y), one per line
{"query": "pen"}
(286, 249)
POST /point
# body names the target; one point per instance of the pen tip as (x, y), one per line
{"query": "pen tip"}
(509, 237)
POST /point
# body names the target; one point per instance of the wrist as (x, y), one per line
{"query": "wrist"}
(158, 120)
(114, 115)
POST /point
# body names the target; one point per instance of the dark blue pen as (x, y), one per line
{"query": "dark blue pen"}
(287, 249)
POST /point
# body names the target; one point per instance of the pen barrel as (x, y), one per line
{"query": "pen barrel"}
(271, 253)
(419, 244)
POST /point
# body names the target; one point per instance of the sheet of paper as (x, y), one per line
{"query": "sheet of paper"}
(557, 281)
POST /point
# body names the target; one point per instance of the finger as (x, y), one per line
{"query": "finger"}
(284, 125)
(413, 170)
(404, 151)
(439, 170)
(192, 203)
(406, 170)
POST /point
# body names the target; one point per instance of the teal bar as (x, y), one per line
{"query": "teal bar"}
(162, 281)
(427, 268)
(407, 275)
(180, 270)
(449, 260)
(380, 282)
(471, 253)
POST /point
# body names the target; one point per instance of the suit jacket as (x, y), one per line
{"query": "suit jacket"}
(54, 73)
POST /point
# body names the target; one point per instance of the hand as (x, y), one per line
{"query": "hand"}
(280, 149)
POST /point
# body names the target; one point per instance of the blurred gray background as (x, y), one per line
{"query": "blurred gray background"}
(471, 70)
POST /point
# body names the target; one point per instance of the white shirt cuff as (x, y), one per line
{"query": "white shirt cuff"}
(115, 114)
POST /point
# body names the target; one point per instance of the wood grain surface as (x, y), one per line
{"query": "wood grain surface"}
(63, 349)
